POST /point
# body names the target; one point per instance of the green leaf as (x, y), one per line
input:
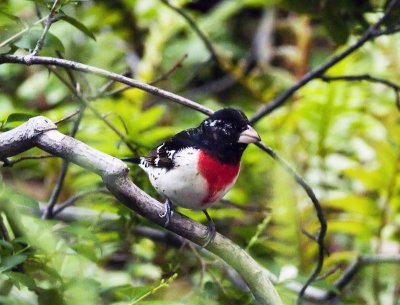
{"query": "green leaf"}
(165, 302)
(11, 261)
(10, 16)
(82, 291)
(18, 278)
(79, 25)
(19, 200)
(5, 50)
(6, 244)
(336, 28)
(29, 40)
(359, 227)
(354, 204)
(18, 117)
(370, 178)
(149, 117)
(50, 297)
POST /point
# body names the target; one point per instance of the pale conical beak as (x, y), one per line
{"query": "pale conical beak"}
(248, 136)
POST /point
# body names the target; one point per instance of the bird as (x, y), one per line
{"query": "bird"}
(196, 167)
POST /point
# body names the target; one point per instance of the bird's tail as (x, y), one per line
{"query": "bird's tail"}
(135, 160)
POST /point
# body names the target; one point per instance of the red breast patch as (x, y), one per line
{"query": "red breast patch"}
(217, 175)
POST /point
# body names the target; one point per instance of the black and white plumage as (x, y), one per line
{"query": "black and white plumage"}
(197, 167)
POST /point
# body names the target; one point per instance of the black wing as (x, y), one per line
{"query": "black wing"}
(163, 155)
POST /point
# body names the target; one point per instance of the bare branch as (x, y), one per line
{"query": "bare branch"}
(23, 31)
(320, 214)
(49, 21)
(9, 163)
(368, 78)
(171, 70)
(369, 34)
(71, 201)
(68, 117)
(199, 32)
(162, 77)
(48, 213)
(74, 90)
(51, 61)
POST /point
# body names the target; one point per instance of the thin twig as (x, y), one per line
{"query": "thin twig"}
(71, 76)
(199, 32)
(23, 31)
(71, 201)
(87, 104)
(111, 126)
(162, 77)
(51, 61)
(390, 31)
(314, 238)
(246, 208)
(328, 273)
(171, 70)
(49, 21)
(10, 163)
(318, 208)
(233, 75)
(106, 86)
(202, 262)
(369, 34)
(368, 78)
(49, 211)
(68, 117)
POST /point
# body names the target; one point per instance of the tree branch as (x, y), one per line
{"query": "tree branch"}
(68, 64)
(10, 163)
(71, 200)
(42, 133)
(49, 21)
(162, 77)
(369, 34)
(197, 30)
(312, 294)
(317, 206)
(368, 78)
(62, 173)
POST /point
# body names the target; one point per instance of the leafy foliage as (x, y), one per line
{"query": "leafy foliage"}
(343, 137)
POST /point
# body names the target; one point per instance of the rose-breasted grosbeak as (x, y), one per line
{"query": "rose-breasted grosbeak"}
(197, 167)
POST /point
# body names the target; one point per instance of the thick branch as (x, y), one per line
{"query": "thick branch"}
(42, 133)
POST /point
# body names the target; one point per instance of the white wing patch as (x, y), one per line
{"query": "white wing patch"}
(215, 122)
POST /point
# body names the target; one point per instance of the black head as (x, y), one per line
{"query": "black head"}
(226, 134)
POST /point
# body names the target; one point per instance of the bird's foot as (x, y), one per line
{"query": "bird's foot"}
(167, 213)
(211, 231)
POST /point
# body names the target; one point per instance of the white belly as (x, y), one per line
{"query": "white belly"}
(183, 186)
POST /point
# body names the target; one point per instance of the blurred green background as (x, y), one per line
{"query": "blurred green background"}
(343, 137)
